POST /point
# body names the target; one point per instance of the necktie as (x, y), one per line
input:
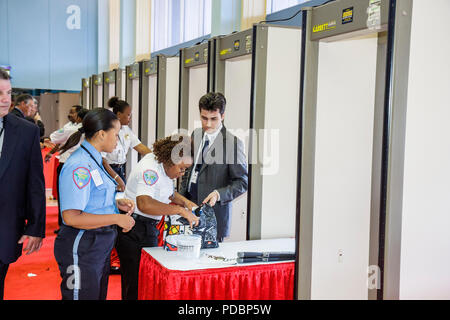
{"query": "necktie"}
(205, 149)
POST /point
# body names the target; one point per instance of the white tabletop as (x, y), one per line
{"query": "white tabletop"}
(172, 261)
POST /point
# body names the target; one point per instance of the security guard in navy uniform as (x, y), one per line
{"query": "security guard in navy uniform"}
(89, 211)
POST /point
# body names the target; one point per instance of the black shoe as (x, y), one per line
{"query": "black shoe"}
(114, 270)
(56, 231)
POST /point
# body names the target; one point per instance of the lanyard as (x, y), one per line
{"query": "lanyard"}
(101, 167)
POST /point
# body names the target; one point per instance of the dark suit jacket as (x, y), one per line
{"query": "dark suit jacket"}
(22, 187)
(225, 170)
(39, 123)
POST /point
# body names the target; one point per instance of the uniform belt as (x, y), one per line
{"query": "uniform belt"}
(138, 217)
(118, 165)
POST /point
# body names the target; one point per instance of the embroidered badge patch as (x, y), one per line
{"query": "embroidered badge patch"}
(150, 177)
(81, 177)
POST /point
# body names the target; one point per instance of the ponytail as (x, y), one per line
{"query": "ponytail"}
(117, 105)
(73, 140)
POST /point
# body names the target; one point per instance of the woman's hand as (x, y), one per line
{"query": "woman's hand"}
(191, 218)
(190, 205)
(125, 221)
(126, 205)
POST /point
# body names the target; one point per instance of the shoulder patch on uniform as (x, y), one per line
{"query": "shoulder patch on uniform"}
(81, 177)
(150, 177)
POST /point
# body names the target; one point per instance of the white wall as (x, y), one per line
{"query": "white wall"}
(425, 256)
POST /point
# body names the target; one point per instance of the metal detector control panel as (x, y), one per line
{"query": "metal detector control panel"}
(151, 66)
(133, 71)
(97, 80)
(236, 44)
(109, 77)
(342, 17)
(196, 55)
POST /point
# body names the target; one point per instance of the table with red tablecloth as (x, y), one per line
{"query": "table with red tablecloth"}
(166, 275)
(50, 171)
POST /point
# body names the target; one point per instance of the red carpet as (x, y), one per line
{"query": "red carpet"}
(21, 284)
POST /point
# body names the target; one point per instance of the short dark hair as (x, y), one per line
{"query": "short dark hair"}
(4, 75)
(82, 113)
(77, 108)
(213, 101)
(23, 98)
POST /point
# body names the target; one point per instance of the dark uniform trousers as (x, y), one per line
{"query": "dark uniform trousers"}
(120, 170)
(84, 261)
(129, 246)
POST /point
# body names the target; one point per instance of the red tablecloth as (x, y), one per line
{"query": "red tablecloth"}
(256, 282)
(50, 171)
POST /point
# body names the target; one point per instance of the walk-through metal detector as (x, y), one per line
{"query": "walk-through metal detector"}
(160, 85)
(113, 85)
(353, 56)
(194, 83)
(258, 71)
(96, 91)
(133, 97)
(85, 93)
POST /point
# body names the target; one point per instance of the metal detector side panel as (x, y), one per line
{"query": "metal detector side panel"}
(97, 93)
(171, 96)
(198, 83)
(109, 87)
(132, 97)
(152, 92)
(120, 87)
(425, 244)
(238, 72)
(278, 136)
(86, 97)
(343, 168)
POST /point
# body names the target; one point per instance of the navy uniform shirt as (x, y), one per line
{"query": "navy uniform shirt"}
(85, 185)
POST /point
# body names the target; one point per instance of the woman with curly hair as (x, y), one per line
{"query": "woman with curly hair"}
(151, 186)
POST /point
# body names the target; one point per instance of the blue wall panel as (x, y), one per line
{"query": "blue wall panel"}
(42, 51)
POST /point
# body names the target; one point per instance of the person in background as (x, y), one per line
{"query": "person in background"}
(151, 187)
(22, 186)
(35, 118)
(23, 106)
(127, 139)
(90, 210)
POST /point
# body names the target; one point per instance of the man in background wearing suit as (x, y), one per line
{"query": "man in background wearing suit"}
(219, 174)
(22, 187)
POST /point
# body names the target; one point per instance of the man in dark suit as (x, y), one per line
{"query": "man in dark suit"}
(26, 107)
(219, 174)
(22, 187)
